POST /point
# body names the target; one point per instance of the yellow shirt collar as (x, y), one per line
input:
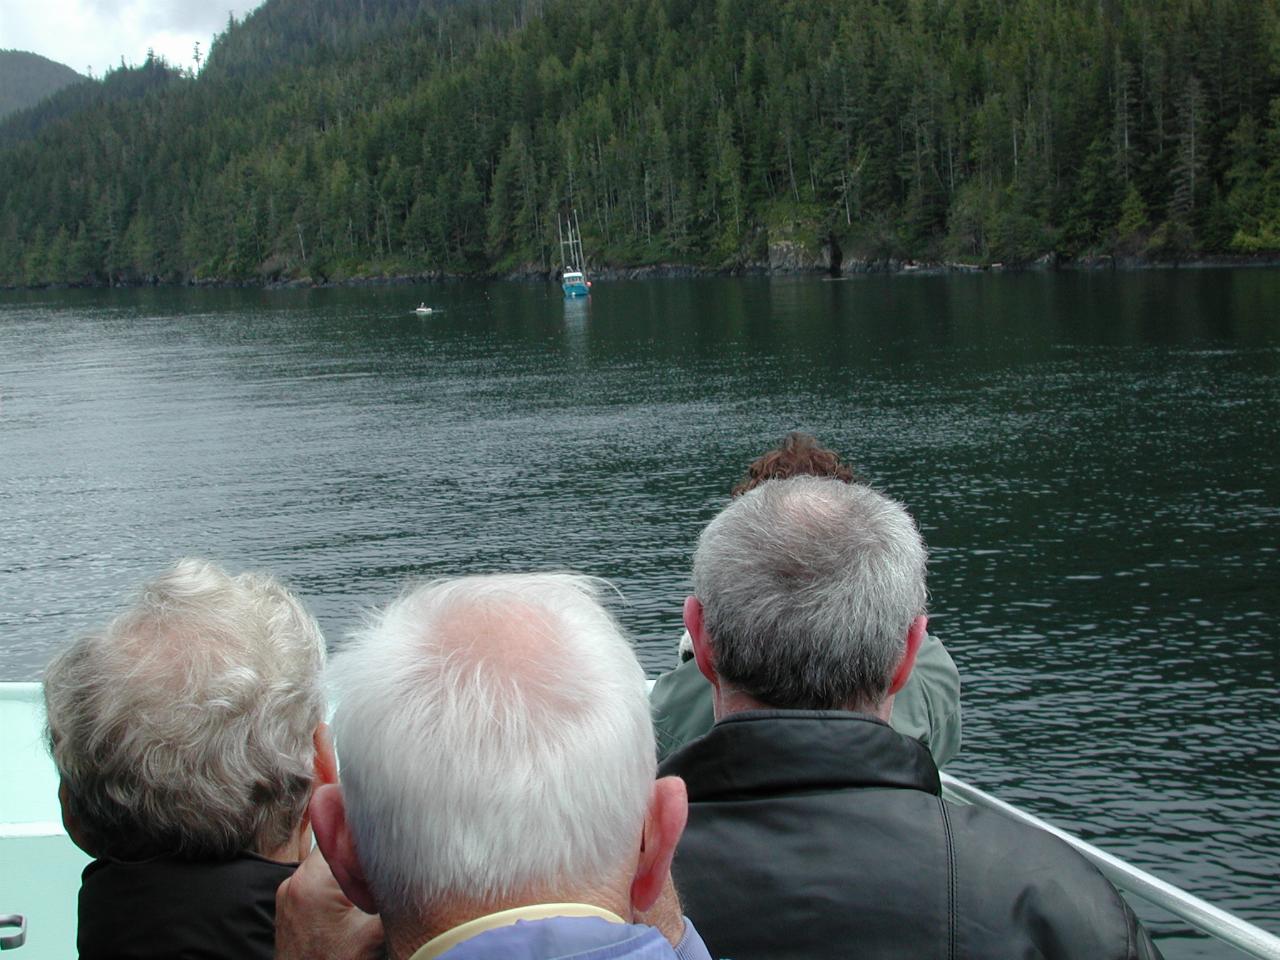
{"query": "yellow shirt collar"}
(505, 918)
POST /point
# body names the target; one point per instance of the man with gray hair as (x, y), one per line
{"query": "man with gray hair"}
(808, 611)
(188, 735)
(498, 793)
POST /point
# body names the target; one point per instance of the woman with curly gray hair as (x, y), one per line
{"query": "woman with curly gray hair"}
(189, 735)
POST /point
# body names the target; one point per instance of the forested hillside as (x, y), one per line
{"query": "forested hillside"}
(27, 78)
(327, 138)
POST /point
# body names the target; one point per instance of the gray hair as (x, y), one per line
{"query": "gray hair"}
(185, 726)
(495, 740)
(809, 587)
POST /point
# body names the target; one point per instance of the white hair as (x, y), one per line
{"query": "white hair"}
(185, 726)
(495, 739)
(808, 587)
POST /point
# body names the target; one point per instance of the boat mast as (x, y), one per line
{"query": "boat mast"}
(577, 239)
(570, 245)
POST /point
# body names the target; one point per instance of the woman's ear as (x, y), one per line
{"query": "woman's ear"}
(71, 823)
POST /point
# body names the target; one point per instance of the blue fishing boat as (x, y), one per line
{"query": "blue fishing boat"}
(573, 277)
(575, 284)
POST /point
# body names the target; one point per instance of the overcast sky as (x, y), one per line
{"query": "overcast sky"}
(97, 33)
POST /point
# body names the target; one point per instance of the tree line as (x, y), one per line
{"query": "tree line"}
(326, 138)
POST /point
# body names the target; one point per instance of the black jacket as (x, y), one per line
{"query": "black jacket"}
(823, 835)
(185, 910)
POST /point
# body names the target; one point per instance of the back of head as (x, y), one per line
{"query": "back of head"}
(808, 589)
(495, 741)
(798, 455)
(185, 726)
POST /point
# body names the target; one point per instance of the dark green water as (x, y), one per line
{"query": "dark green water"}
(1094, 459)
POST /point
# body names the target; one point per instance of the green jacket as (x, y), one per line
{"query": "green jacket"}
(927, 708)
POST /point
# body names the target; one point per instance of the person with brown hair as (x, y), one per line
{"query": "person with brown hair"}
(799, 455)
(927, 708)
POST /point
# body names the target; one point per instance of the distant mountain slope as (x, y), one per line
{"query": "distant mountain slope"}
(27, 78)
(81, 102)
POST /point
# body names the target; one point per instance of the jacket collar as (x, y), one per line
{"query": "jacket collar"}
(767, 752)
(167, 908)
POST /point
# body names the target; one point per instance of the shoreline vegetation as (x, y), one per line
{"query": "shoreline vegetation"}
(848, 269)
(323, 141)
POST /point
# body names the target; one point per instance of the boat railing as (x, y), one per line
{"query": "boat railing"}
(1205, 917)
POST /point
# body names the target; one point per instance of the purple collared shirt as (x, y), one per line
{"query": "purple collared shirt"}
(578, 938)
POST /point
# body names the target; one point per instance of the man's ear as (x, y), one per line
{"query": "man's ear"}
(663, 826)
(326, 762)
(336, 842)
(915, 636)
(693, 622)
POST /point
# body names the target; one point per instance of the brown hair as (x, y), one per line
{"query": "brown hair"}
(799, 455)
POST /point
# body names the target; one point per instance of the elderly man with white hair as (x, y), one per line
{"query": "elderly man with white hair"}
(815, 830)
(189, 735)
(498, 794)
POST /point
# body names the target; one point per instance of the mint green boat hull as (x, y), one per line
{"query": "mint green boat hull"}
(39, 865)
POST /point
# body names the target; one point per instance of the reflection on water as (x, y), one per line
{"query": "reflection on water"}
(1093, 460)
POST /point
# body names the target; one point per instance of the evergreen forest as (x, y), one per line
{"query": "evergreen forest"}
(329, 139)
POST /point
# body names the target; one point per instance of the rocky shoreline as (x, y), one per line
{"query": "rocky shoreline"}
(785, 259)
(812, 266)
